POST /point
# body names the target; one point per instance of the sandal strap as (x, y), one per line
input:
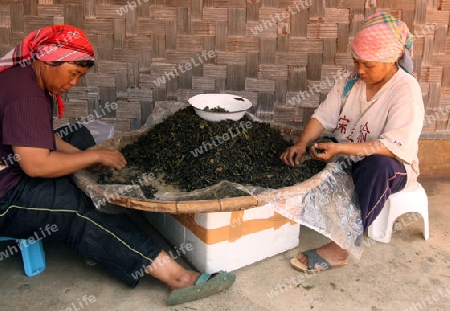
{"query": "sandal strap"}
(314, 258)
(203, 278)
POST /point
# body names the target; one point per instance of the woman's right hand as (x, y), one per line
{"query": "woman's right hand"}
(293, 155)
(110, 158)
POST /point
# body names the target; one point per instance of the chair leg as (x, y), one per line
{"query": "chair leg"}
(33, 257)
(381, 228)
(426, 225)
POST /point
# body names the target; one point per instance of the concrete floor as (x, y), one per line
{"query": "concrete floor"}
(409, 273)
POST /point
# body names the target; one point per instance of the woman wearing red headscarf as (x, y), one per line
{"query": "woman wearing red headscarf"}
(36, 190)
(376, 114)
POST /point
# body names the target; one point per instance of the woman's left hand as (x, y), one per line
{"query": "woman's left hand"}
(324, 151)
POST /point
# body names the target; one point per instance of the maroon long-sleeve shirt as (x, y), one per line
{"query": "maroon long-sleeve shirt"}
(26, 119)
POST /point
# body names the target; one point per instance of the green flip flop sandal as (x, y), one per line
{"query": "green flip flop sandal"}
(205, 286)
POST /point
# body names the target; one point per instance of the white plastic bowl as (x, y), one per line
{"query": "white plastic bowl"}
(235, 105)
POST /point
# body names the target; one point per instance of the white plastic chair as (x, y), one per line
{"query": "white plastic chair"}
(410, 200)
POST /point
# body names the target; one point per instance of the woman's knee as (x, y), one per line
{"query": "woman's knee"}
(77, 135)
(376, 165)
(379, 162)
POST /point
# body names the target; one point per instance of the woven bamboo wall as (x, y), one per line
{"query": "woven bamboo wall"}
(270, 51)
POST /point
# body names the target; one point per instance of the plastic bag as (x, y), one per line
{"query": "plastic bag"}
(101, 131)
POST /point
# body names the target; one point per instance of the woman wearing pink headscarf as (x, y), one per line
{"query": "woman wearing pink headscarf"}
(36, 189)
(376, 114)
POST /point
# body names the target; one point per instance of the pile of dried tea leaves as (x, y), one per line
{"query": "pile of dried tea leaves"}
(190, 153)
(215, 109)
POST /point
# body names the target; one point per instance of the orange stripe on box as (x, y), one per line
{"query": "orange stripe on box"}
(233, 232)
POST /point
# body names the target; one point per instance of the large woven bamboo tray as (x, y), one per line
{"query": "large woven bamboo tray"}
(87, 182)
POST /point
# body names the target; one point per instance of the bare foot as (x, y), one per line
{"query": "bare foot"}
(170, 272)
(189, 278)
(184, 280)
(331, 252)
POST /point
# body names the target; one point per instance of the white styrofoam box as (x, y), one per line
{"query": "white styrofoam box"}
(212, 221)
(246, 236)
(217, 220)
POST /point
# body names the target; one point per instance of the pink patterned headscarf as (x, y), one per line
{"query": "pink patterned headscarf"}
(383, 38)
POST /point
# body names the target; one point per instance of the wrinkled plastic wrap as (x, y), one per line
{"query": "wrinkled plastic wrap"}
(324, 203)
(101, 131)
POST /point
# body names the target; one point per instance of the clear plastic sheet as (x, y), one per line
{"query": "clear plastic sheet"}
(221, 190)
(102, 195)
(101, 131)
(324, 203)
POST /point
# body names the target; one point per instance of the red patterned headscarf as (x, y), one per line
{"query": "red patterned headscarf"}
(53, 43)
